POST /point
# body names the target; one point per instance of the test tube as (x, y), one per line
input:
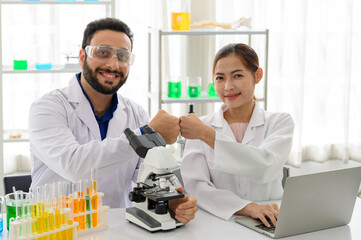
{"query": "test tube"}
(94, 197)
(75, 201)
(68, 195)
(40, 212)
(17, 217)
(81, 188)
(88, 208)
(46, 190)
(34, 211)
(57, 211)
(51, 214)
(70, 230)
(94, 180)
(65, 213)
(1, 214)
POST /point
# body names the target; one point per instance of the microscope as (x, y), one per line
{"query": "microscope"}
(151, 195)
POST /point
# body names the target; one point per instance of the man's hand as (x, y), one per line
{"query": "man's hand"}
(184, 208)
(166, 125)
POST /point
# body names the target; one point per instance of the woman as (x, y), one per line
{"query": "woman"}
(237, 154)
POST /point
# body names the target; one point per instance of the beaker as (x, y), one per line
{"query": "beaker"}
(43, 57)
(181, 15)
(16, 203)
(174, 87)
(194, 86)
(1, 214)
(19, 53)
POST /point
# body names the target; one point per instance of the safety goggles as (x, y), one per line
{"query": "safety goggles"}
(104, 54)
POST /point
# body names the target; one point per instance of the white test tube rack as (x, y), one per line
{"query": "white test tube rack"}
(15, 226)
(25, 225)
(102, 224)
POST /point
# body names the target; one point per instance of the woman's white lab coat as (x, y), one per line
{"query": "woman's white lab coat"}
(65, 143)
(230, 176)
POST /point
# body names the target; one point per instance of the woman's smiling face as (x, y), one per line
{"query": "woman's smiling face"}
(234, 83)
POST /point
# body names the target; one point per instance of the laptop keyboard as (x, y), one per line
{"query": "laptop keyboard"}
(267, 229)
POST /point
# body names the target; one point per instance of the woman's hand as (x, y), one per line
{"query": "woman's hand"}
(192, 127)
(261, 212)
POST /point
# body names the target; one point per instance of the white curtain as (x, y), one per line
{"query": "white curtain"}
(314, 55)
(314, 52)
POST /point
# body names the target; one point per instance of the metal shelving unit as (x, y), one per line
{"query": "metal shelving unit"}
(109, 6)
(156, 95)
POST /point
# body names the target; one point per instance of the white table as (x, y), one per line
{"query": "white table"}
(207, 226)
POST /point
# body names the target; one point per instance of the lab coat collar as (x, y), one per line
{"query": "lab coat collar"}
(257, 119)
(86, 114)
(118, 122)
(83, 108)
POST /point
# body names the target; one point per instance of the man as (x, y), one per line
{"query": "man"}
(80, 127)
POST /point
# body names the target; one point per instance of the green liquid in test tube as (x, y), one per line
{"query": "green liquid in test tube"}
(88, 208)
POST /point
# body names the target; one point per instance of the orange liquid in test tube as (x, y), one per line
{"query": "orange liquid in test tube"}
(94, 206)
(76, 210)
(81, 210)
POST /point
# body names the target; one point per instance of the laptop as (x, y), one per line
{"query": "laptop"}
(313, 202)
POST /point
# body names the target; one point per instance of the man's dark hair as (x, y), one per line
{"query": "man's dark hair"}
(105, 24)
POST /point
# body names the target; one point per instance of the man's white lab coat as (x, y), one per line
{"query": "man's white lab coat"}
(65, 143)
(227, 178)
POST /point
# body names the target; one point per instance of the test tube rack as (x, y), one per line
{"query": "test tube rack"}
(103, 216)
(22, 229)
(25, 224)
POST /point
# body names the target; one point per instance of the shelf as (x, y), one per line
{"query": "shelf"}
(19, 135)
(55, 69)
(14, 140)
(100, 2)
(156, 94)
(214, 32)
(201, 99)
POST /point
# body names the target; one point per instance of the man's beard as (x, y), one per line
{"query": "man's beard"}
(91, 78)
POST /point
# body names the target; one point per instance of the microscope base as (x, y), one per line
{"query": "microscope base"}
(150, 220)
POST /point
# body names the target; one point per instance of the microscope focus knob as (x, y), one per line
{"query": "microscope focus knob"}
(161, 208)
(136, 197)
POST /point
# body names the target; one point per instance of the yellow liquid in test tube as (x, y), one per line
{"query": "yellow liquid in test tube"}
(70, 230)
(40, 224)
(51, 221)
(45, 225)
(57, 223)
(34, 214)
(181, 21)
(94, 186)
